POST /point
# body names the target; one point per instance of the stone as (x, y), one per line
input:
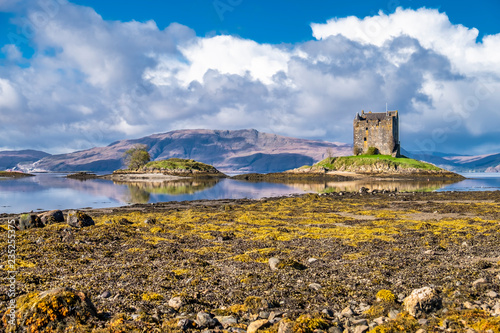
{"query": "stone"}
(311, 260)
(286, 326)
(255, 325)
(327, 312)
(421, 331)
(334, 330)
(347, 312)
(421, 300)
(273, 263)
(480, 282)
(79, 219)
(106, 294)
(380, 320)
(264, 315)
(359, 322)
(393, 314)
(361, 329)
(491, 294)
(315, 286)
(227, 321)
(53, 216)
(176, 303)
(28, 221)
(150, 220)
(205, 320)
(37, 309)
(423, 322)
(185, 324)
(468, 305)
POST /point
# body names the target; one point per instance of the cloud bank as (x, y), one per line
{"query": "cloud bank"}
(92, 81)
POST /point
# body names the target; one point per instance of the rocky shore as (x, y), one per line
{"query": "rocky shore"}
(377, 261)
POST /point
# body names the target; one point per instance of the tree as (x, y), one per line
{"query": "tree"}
(136, 157)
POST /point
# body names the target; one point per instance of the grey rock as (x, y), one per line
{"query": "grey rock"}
(185, 324)
(491, 294)
(311, 260)
(176, 303)
(421, 300)
(480, 282)
(468, 305)
(264, 315)
(227, 321)
(380, 320)
(327, 312)
(150, 220)
(255, 325)
(423, 322)
(347, 312)
(106, 294)
(205, 320)
(53, 216)
(28, 221)
(315, 286)
(393, 314)
(79, 219)
(285, 327)
(421, 331)
(273, 263)
(237, 330)
(361, 329)
(334, 329)
(359, 322)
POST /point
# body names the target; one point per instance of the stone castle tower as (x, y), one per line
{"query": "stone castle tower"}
(379, 130)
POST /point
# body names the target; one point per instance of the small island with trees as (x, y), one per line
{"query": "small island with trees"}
(140, 167)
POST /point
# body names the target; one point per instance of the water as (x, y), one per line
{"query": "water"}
(54, 191)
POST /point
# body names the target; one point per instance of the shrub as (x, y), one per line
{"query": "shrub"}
(136, 157)
(372, 151)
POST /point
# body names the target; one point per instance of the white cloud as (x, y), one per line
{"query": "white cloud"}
(93, 81)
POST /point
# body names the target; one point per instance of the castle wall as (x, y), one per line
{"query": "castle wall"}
(377, 130)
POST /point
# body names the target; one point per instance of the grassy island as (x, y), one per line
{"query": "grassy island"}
(378, 165)
(10, 174)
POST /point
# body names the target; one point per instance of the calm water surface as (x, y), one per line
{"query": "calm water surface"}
(54, 191)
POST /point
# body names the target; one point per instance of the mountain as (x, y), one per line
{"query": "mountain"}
(241, 151)
(238, 151)
(459, 163)
(9, 159)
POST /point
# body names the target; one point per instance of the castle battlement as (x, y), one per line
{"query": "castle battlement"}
(379, 130)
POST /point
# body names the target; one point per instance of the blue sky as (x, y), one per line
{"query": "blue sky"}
(83, 73)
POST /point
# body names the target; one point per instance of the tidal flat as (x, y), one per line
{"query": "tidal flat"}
(308, 263)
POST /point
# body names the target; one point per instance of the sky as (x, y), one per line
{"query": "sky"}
(85, 73)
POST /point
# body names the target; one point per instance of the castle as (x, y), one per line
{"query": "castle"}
(379, 130)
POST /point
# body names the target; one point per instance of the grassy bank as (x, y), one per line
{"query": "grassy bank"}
(179, 164)
(392, 163)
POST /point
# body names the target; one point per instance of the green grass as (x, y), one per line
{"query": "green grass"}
(179, 164)
(348, 162)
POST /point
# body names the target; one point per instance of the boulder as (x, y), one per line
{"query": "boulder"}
(54, 310)
(176, 303)
(79, 219)
(255, 325)
(28, 221)
(423, 300)
(53, 216)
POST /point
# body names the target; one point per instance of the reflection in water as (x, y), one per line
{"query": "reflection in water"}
(390, 185)
(55, 191)
(140, 192)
